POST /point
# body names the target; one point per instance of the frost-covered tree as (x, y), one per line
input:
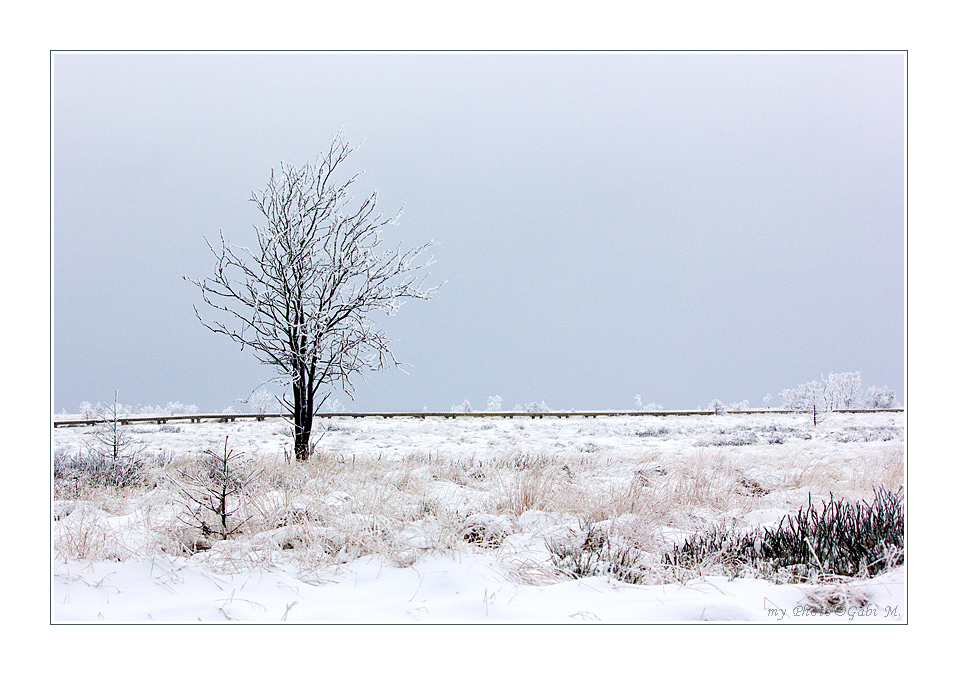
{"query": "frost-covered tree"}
(842, 390)
(717, 407)
(262, 401)
(335, 406)
(804, 397)
(464, 407)
(304, 298)
(879, 397)
(838, 391)
(494, 403)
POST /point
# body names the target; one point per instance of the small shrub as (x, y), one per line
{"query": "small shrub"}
(651, 432)
(879, 398)
(867, 435)
(94, 468)
(733, 437)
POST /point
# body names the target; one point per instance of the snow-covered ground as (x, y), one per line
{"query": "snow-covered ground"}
(451, 521)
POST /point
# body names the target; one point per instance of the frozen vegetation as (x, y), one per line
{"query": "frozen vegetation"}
(621, 519)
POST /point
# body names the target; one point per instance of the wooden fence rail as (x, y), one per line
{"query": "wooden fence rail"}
(232, 417)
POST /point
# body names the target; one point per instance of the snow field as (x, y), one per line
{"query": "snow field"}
(450, 521)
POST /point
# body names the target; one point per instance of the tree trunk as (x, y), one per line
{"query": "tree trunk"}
(302, 421)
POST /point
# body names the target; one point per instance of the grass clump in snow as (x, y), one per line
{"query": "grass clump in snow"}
(594, 553)
(840, 540)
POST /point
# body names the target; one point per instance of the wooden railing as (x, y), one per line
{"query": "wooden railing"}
(232, 417)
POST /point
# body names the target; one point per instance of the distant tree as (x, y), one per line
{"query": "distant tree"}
(262, 401)
(494, 403)
(717, 407)
(540, 407)
(838, 391)
(302, 301)
(650, 407)
(808, 397)
(842, 390)
(879, 397)
(335, 406)
(464, 407)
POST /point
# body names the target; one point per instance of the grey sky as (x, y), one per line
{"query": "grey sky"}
(682, 226)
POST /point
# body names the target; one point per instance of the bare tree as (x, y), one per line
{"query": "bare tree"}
(302, 300)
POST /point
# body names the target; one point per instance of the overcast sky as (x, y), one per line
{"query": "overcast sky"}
(680, 226)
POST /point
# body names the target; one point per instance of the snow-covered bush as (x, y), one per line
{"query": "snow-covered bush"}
(879, 398)
(486, 529)
(494, 403)
(741, 405)
(537, 407)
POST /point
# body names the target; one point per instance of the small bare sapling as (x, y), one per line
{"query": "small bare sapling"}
(214, 491)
